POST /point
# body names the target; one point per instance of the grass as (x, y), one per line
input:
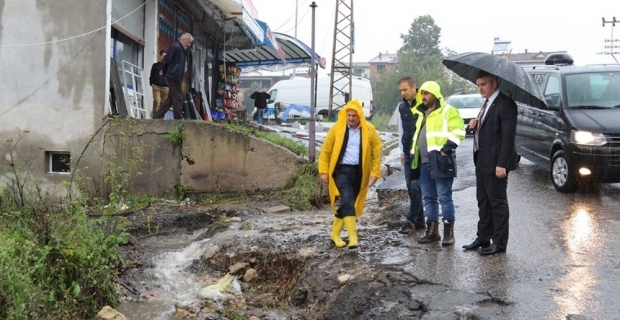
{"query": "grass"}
(381, 121)
(295, 147)
(306, 191)
(176, 137)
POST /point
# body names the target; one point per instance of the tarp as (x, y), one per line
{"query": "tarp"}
(303, 110)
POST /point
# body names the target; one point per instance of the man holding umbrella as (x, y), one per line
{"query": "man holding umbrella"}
(501, 82)
(494, 156)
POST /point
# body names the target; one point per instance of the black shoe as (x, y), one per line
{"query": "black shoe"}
(477, 244)
(489, 250)
(406, 228)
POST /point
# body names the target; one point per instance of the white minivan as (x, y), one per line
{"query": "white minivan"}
(296, 92)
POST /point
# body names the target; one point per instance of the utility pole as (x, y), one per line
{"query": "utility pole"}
(296, 9)
(311, 125)
(342, 55)
(612, 42)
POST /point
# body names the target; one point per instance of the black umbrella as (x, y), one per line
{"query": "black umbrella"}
(513, 80)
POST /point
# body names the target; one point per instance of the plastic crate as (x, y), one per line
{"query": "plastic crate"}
(240, 114)
(218, 115)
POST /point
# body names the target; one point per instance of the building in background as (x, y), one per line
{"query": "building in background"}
(383, 62)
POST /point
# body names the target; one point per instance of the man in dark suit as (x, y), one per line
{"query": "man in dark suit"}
(174, 67)
(494, 156)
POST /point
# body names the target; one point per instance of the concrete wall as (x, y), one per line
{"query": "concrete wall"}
(212, 158)
(53, 89)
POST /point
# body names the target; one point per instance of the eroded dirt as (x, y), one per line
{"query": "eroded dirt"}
(300, 274)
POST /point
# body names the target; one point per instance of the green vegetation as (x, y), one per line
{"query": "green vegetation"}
(306, 190)
(381, 122)
(297, 148)
(176, 137)
(56, 261)
(57, 266)
(420, 57)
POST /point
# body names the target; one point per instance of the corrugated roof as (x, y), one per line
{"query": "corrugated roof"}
(298, 54)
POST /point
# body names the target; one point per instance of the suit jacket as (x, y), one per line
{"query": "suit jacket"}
(496, 139)
(174, 62)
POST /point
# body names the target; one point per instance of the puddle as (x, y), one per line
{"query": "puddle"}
(397, 256)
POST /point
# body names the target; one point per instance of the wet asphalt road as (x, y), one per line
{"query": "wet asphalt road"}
(562, 258)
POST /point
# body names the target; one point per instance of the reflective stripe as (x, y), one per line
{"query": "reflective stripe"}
(434, 148)
(456, 140)
(445, 120)
(439, 134)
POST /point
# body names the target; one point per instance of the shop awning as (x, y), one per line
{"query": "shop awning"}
(244, 13)
(297, 53)
(270, 40)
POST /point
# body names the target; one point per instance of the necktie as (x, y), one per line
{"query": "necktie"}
(479, 123)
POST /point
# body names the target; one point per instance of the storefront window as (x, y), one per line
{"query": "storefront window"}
(124, 48)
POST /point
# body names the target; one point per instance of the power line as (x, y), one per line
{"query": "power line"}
(300, 20)
(75, 37)
(289, 19)
(327, 32)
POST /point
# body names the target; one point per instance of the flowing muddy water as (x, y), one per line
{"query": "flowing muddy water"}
(167, 282)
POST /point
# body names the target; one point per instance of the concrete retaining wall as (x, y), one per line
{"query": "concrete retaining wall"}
(213, 158)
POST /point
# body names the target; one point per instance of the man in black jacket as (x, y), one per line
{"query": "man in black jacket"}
(494, 156)
(174, 67)
(406, 129)
(158, 82)
(260, 103)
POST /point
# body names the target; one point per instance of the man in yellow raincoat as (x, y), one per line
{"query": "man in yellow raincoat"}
(350, 163)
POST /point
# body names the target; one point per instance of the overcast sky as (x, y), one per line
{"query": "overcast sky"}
(465, 25)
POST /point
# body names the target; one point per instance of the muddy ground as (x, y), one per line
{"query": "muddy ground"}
(300, 274)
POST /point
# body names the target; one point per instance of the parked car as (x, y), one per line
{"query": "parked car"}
(469, 106)
(578, 135)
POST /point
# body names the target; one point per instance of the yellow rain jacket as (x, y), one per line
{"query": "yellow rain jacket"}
(370, 154)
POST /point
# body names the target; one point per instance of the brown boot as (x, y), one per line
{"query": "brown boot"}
(432, 233)
(448, 234)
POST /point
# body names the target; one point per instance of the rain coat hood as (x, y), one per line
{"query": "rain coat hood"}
(434, 89)
(370, 156)
(351, 105)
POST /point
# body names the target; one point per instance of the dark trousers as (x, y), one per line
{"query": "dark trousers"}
(348, 181)
(175, 100)
(416, 207)
(492, 208)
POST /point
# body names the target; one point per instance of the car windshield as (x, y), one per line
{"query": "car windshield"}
(468, 101)
(593, 90)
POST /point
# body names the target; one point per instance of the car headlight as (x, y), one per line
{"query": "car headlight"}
(588, 138)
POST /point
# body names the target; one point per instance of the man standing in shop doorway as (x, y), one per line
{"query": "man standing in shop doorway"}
(158, 81)
(260, 103)
(174, 67)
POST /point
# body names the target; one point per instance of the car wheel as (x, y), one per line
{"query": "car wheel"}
(563, 176)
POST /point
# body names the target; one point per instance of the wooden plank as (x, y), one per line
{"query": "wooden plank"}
(117, 88)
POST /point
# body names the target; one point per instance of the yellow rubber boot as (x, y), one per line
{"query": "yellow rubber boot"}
(351, 225)
(336, 228)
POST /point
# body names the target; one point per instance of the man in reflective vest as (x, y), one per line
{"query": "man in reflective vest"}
(439, 131)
